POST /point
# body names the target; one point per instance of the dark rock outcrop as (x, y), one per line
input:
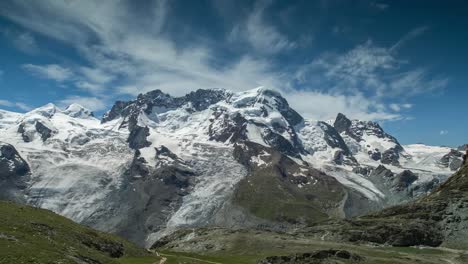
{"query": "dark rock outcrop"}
(43, 130)
(452, 160)
(223, 127)
(329, 256)
(113, 248)
(404, 179)
(381, 172)
(333, 138)
(23, 133)
(463, 147)
(433, 220)
(391, 156)
(363, 170)
(137, 138)
(342, 123)
(14, 173)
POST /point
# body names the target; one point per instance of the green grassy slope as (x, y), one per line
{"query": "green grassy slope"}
(32, 235)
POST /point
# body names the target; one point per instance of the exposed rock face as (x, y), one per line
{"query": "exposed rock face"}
(224, 128)
(434, 220)
(455, 164)
(148, 193)
(116, 111)
(333, 138)
(317, 196)
(369, 137)
(363, 170)
(113, 248)
(14, 173)
(211, 157)
(342, 123)
(78, 111)
(399, 187)
(282, 105)
(382, 172)
(24, 135)
(43, 130)
(391, 156)
(272, 172)
(154, 100)
(463, 147)
(452, 160)
(137, 138)
(405, 179)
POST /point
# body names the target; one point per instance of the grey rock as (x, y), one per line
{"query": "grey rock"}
(338, 157)
(363, 170)
(227, 128)
(23, 133)
(333, 138)
(391, 156)
(137, 138)
(381, 172)
(375, 155)
(463, 147)
(14, 173)
(405, 179)
(452, 160)
(43, 130)
(317, 257)
(342, 123)
(455, 164)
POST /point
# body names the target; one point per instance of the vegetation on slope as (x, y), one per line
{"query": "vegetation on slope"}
(32, 235)
(247, 246)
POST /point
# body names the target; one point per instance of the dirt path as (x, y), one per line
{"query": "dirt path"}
(162, 261)
(202, 260)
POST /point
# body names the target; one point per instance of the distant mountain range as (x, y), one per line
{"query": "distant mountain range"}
(159, 163)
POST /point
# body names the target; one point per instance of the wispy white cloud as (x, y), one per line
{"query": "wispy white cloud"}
(443, 132)
(370, 68)
(379, 5)
(399, 107)
(92, 103)
(23, 41)
(19, 105)
(26, 42)
(129, 53)
(51, 71)
(5, 103)
(395, 107)
(325, 106)
(414, 82)
(23, 106)
(263, 37)
(408, 37)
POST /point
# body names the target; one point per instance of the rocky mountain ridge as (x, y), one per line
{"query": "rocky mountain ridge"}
(213, 157)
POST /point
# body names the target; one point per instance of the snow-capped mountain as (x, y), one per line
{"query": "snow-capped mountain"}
(211, 157)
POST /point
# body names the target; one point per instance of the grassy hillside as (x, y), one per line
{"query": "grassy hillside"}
(32, 235)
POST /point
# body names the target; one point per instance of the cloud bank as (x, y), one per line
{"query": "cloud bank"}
(127, 49)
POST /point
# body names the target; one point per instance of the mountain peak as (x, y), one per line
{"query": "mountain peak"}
(78, 111)
(342, 123)
(47, 110)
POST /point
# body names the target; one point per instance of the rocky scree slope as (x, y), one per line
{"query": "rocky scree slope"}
(439, 219)
(210, 158)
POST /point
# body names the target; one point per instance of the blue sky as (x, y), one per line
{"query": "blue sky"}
(402, 63)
